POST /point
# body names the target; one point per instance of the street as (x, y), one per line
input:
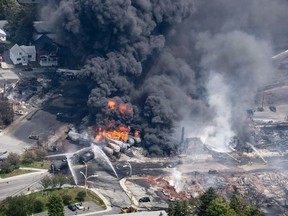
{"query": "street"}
(19, 184)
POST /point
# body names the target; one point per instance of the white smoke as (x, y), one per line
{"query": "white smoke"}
(218, 134)
(176, 180)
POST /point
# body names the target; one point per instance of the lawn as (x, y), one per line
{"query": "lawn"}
(44, 196)
(15, 173)
(38, 164)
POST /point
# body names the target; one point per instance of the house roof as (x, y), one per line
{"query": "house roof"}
(15, 49)
(28, 49)
(42, 27)
(25, 49)
(3, 23)
(2, 32)
(44, 43)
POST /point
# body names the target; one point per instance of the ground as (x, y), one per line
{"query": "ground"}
(41, 95)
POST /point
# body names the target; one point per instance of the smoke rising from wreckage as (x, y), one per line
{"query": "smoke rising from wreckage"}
(173, 64)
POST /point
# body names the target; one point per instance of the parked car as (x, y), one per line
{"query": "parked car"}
(144, 199)
(213, 172)
(27, 69)
(79, 206)
(72, 207)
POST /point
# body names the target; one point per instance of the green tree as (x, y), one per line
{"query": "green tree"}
(206, 198)
(236, 203)
(20, 24)
(7, 7)
(219, 206)
(252, 210)
(6, 112)
(38, 206)
(54, 181)
(19, 206)
(14, 159)
(45, 182)
(81, 196)
(179, 208)
(40, 154)
(28, 157)
(60, 179)
(12, 163)
(55, 205)
(66, 199)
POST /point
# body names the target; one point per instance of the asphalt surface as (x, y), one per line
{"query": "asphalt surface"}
(20, 184)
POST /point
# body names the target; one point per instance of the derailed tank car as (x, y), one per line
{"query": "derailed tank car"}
(58, 165)
(87, 156)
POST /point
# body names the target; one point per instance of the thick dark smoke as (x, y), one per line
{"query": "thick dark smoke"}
(172, 61)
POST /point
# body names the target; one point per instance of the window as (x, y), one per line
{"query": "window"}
(18, 59)
(20, 53)
(29, 56)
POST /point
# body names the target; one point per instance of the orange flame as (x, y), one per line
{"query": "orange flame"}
(125, 109)
(137, 134)
(121, 133)
(111, 104)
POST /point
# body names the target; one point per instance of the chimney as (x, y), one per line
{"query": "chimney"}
(182, 135)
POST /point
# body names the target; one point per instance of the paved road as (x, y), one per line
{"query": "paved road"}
(19, 184)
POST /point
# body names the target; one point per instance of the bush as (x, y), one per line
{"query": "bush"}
(38, 206)
(81, 196)
(66, 199)
(40, 154)
(28, 157)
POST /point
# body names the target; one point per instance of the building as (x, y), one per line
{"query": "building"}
(2, 35)
(42, 28)
(48, 61)
(22, 54)
(46, 51)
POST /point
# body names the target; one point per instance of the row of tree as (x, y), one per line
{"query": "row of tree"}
(27, 205)
(14, 160)
(212, 204)
(55, 181)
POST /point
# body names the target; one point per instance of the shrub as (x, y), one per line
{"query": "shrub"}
(38, 206)
(81, 196)
(28, 157)
(39, 154)
(66, 199)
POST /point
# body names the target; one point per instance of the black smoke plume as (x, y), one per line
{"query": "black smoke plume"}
(171, 59)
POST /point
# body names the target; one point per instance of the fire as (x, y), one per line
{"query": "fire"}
(137, 134)
(111, 104)
(122, 108)
(125, 109)
(121, 133)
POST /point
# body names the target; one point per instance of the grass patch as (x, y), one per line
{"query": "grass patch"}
(38, 164)
(44, 196)
(15, 173)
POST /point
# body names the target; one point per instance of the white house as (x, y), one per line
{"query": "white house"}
(22, 54)
(48, 61)
(2, 35)
(2, 31)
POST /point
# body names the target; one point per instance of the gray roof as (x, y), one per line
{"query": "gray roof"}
(28, 49)
(42, 27)
(3, 23)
